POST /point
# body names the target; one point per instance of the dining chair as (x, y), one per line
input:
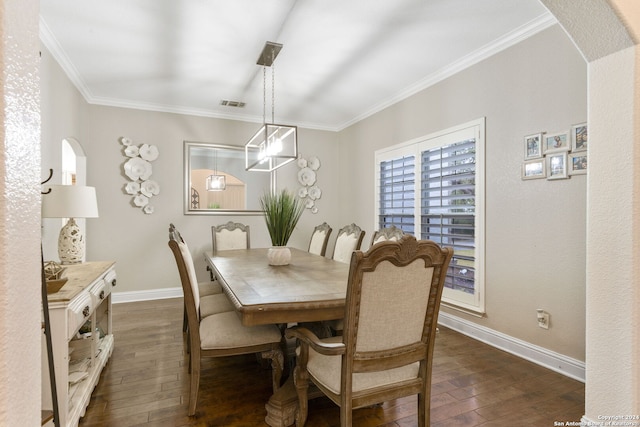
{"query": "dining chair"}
(349, 239)
(220, 334)
(388, 233)
(319, 239)
(212, 299)
(232, 235)
(386, 350)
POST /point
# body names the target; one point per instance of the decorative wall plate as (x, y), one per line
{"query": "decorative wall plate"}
(149, 152)
(314, 193)
(149, 188)
(131, 151)
(136, 168)
(302, 162)
(313, 163)
(132, 187)
(306, 176)
(141, 200)
(302, 192)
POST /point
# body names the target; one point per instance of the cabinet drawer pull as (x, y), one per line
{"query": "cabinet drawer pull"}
(113, 282)
(102, 294)
(86, 311)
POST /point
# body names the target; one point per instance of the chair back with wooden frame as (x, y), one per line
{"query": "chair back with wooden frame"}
(232, 235)
(220, 334)
(206, 288)
(386, 350)
(388, 233)
(319, 239)
(349, 239)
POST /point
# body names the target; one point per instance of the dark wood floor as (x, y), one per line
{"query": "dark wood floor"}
(146, 383)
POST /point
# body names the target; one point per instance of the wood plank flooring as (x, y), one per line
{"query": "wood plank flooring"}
(146, 383)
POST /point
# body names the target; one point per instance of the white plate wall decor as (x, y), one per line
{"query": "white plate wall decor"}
(138, 169)
(307, 177)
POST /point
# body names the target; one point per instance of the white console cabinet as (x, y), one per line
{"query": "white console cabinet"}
(81, 334)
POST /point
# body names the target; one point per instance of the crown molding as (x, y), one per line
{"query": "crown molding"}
(514, 37)
(510, 39)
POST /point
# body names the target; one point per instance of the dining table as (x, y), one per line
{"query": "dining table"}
(311, 288)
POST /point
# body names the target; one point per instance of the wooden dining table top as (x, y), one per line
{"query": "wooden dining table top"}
(311, 288)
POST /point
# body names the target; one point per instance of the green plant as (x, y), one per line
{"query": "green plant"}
(281, 212)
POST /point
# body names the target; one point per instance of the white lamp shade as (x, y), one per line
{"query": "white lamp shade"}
(70, 201)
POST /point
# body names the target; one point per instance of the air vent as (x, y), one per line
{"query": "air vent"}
(236, 104)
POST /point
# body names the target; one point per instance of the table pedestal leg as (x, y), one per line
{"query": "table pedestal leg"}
(283, 404)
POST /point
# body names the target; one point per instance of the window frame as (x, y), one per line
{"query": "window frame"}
(473, 303)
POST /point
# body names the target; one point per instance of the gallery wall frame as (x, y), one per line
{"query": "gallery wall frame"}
(534, 169)
(556, 142)
(578, 163)
(557, 166)
(557, 155)
(579, 137)
(533, 146)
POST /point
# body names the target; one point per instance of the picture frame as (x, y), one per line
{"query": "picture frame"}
(557, 166)
(534, 169)
(578, 163)
(579, 137)
(533, 146)
(556, 142)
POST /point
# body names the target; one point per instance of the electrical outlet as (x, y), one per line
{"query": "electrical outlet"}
(543, 319)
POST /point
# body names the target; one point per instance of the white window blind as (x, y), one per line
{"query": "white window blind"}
(433, 187)
(397, 193)
(448, 208)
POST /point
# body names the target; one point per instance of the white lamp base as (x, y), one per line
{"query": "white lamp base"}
(71, 243)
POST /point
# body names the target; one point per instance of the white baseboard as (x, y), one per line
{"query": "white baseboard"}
(557, 362)
(133, 296)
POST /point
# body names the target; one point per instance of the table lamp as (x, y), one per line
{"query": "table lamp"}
(70, 201)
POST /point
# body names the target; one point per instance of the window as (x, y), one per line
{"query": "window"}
(440, 197)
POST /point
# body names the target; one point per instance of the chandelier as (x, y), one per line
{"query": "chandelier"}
(274, 145)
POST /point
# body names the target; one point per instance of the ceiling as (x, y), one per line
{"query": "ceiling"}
(341, 61)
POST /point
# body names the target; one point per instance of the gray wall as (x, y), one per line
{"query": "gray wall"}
(137, 241)
(535, 244)
(535, 230)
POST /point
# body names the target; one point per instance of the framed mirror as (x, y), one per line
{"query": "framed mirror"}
(216, 182)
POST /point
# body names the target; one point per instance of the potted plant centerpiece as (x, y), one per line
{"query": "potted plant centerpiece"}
(281, 212)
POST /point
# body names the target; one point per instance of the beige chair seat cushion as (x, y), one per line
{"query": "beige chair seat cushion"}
(224, 330)
(326, 370)
(209, 288)
(214, 304)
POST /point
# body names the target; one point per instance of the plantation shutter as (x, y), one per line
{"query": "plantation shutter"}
(448, 207)
(397, 193)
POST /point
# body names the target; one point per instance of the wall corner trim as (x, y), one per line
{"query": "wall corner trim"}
(556, 362)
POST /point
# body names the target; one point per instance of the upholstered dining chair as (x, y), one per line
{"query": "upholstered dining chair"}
(349, 239)
(212, 299)
(388, 233)
(319, 239)
(386, 350)
(232, 235)
(220, 334)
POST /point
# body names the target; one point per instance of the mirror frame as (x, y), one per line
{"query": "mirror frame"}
(186, 178)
